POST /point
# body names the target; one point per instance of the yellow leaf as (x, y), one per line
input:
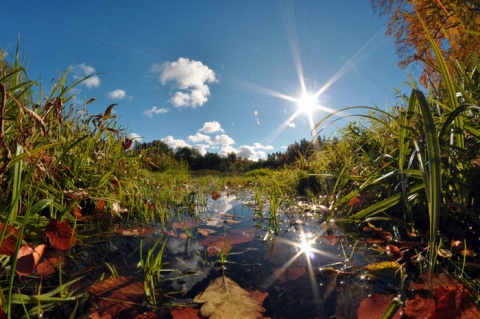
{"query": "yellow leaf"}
(225, 299)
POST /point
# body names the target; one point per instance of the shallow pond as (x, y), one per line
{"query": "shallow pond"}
(309, 268)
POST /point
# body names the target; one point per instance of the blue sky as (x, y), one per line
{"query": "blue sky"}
(220, 76)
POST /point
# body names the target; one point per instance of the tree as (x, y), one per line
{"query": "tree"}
(451, 23)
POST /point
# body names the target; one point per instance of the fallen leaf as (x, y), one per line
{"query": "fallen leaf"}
(76, 194)
(443, 298)
(27, 259)
(49, 265)
(225, 299)
(60, 235)
(100, 205)
(185, 313)
(9, 240)
(215, 195)
(117, 297)
(289, 274)
(206, 232)
(375, 306)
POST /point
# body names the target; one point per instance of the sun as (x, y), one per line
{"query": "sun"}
(307, 103)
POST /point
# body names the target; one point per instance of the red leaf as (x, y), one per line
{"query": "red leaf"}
(215, 195)
(357, 200)
(126, 143)
(48, 265)
(9, 240)
(185, 313)
(375, 306)
(27, 259)
(289, 274)
(100, 205)
(60, 235)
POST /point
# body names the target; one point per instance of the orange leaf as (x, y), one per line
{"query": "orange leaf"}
(184, 313)
(9, 240)
(27, 259)
(215, 195)
(100, 205)
(48, 265)
(60, 235)
(375, 306)
(77, 211)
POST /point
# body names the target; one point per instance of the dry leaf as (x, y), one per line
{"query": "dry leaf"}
(118, 297)
(184, 313)
(27, 259)
(375, 306)
(9, 240)
(215, 195)
(225, 299)
(205, 232)
(60, 235)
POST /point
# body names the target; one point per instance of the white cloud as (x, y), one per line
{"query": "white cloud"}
(246, 152)
(202, 148)
(154, 111)
(263, 147)
(117, 95)
(226, 149)
(174, 143)
(80, 71)
(199, 137)
(252, 153)
(211, 127)
(223, 139)
(135, 137)
(190, 77)
(291, 124)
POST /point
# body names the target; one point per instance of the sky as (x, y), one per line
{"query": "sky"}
(218, 76)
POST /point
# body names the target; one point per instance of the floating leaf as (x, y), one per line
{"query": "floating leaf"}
(135, 231)
(27, 259)
(215, 195)
(445, 298)
(117, 297)
(60, 235)
(289, 274)
(375, 306)
(185, 313)
(224, 298)
(9, 240)
(206, 232)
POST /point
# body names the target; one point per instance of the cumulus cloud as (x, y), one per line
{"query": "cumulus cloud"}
(223, 139)
(262, 147)
(211, 127)
(253, 152)
(81, 71)
(155, 111)
(189, 77)
(117, 95)
(135, 137)
(226, 149)
(247, 152)
(175, 143)
(199, 137)
(202, 148)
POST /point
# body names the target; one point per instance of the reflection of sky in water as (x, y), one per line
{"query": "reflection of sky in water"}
(187, 257)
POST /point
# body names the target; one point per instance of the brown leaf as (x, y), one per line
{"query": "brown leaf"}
(444, 298)
(225, 299)
(119, 297)
(60, 235)
(375, 306)
(215, 195)
(9, 240)
(27, 259)
(205, 231)
(184, 313)
(74, 194)
(289, 274)
(48, 265)
(100, 205)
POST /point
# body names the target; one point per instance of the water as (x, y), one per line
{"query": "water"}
(299, 266)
